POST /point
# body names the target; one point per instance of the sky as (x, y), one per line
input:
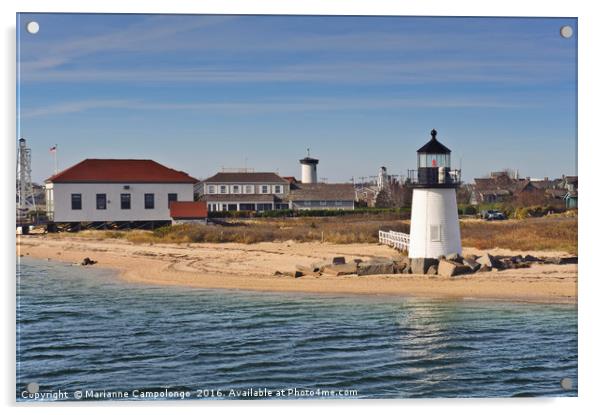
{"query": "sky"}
(201, 93)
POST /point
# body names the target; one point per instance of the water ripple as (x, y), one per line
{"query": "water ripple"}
(84, 329)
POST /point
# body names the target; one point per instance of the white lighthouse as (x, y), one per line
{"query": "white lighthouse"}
(309, 169)
(435, 229)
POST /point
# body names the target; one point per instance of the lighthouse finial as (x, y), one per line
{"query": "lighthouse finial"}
(434, 133)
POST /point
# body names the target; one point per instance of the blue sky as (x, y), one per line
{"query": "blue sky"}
(199, 93)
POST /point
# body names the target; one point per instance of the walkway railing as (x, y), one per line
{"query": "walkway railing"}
(397, 240)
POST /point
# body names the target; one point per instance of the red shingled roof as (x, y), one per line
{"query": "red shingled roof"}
(188, 210)
(121, 171)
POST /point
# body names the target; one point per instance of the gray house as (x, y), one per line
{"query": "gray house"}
(321, 196)
(261, 191)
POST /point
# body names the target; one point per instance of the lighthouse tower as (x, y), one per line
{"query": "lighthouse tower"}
(435, 229)
(309, 169)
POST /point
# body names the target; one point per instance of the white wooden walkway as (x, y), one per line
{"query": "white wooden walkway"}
(397, 240)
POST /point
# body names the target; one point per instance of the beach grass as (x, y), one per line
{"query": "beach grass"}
(553, 233)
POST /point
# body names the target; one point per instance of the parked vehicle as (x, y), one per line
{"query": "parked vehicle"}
(493, 215)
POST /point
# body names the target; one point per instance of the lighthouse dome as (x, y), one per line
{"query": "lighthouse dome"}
(434, 146)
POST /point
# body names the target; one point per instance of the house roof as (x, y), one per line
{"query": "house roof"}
(290, 179)
(501, 182)
(245, 177)
(120, 171)
(188, 210)
(245, 198)
(322, 191)
(434, 146)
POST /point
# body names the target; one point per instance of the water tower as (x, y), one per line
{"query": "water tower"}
(309, 169)
(435, 229)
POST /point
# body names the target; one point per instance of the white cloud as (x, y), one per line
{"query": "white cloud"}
(273, 106)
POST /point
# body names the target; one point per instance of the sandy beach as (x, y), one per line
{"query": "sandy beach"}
(252, 267)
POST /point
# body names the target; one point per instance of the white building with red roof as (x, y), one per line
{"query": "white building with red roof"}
(116, 190)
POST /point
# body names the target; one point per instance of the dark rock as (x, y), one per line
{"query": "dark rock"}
(338, 260)
(88, 261)
(341, 269)
(531, 258)
(451, 268)
(375, 267)
(490, 261)
(357, 260)
(298, 274)
(484, 268)
(517, 259)
(421, 265)
(399, 267)
(472, 264)
(569, 260)
(454, 256)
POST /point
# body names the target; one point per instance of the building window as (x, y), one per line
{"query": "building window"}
(126, 199)
(338, 203)
(171, 197)
(223, 189)
(76, 201)
(211, 189)
(101, 201)
(323, 203)
(277, 189)
(307, 202)
(435, 233)
(236, 189)
(265, 189)
(149, 201)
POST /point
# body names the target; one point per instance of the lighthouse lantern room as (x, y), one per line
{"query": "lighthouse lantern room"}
(435, 229)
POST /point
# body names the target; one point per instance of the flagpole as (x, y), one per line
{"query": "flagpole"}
(56, 165)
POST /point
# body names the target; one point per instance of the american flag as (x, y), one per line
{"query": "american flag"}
(53, 149)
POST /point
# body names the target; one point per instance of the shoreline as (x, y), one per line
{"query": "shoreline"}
(250, 267)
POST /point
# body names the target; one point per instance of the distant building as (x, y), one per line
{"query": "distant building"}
(498, 188)
(251, 191)
(503, 187)
(188, 212)
(245, 191)
(304, 196)
(116, 190)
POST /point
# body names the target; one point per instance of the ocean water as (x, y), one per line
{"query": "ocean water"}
(84, 333)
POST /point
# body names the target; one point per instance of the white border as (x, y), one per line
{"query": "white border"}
(589, 169)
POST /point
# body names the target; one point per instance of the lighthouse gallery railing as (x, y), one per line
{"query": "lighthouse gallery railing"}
(397, 240)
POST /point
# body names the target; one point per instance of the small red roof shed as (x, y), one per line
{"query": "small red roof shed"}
(188, 210)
